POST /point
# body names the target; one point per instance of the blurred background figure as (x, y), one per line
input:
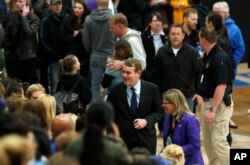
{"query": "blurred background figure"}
(94, 147)
(92, 5)
(190, 21)
(99, 43)
(174, 151)
(202, 11)
(140, 154)
(3, 10)
(133, 11)
(20, 44)
(72, 31)
(19, 150)
(179, 6)
(34, 91)
(152, 38)
(51, 43)
(161, 6)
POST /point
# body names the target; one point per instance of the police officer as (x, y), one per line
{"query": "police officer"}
(216, 108)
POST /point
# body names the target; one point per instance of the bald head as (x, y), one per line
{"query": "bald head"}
(62, 123)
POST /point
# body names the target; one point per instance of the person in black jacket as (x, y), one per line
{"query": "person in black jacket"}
(152, 38)
(71, 32)
(52, 45)
(20, 43)
(177, 65)
(70, 67)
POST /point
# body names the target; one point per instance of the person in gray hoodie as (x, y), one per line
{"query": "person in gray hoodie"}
(118, 24)
(98, 42)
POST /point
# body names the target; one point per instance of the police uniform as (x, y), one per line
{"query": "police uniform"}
(216, 71)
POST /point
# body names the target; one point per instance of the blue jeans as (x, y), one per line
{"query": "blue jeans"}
(97, 68)
(53, 70)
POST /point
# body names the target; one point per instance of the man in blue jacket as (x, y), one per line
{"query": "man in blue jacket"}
(234, 32)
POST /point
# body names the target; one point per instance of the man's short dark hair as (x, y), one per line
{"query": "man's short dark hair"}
(208, 34)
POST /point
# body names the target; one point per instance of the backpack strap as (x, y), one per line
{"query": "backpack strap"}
(74, 86)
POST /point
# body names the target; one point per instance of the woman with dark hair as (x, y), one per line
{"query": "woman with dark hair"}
(94, 147)
(14, 89)
(71, 31)
(214, 21)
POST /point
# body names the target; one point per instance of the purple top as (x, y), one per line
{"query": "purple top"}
(91, 4)
(186, 134)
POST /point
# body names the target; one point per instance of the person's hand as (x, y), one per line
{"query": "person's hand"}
(25, 10)
(209, 117)
(198, 98)
(140, 123)
(75, 33)
(115, 65)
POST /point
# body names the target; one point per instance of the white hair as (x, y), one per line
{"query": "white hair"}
(222, 5)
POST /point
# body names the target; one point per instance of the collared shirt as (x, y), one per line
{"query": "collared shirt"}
(137, 91)
(215, 71)
(157, 40)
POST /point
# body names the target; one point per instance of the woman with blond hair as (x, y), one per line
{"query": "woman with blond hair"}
(50, 106)
(181, 127)
(34, 91)
(175, 152)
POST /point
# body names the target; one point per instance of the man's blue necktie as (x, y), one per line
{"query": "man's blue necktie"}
(133, 101)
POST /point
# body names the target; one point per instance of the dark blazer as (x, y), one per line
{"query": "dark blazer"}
(148, 44)
(149, 108)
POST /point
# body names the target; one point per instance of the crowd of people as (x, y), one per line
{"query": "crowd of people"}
(132, 65)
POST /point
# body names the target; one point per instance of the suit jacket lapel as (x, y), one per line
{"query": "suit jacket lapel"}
(125, 100)
(142, 95)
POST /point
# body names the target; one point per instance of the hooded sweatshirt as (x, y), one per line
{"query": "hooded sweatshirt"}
(237, 42)
(135, 41)
(97, 38)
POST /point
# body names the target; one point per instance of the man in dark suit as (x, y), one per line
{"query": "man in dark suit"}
(137, 125)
